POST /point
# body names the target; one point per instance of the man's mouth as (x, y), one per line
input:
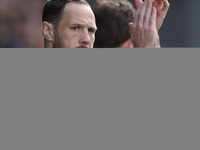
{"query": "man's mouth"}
(82, 46)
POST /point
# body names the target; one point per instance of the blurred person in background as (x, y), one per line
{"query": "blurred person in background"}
(20, 23)
(112, 18)
(115, 28)
(68, 24)
(6, 25)
(27, 24)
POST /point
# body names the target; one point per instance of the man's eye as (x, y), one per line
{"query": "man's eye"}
(91, 30)
(75, 28)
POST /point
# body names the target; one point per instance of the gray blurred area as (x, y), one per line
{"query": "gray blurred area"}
(99, 99)
(20, 23)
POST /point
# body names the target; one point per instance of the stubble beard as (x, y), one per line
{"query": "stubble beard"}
(57, 41)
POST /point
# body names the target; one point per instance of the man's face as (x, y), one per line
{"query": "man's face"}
(76, 28)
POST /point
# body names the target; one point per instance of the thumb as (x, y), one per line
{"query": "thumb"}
(131, 25)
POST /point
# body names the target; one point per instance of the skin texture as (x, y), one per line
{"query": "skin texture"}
(143, 30)
(161, 6)
(75, 30)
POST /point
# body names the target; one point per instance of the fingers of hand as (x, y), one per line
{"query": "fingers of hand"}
(143, 29)
(145, 17)
(152, 21)
(138, 3)
(147, 13)
(141, 14)
(158, 4)
(166, 5)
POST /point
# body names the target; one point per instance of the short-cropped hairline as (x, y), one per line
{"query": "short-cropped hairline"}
(55, 21)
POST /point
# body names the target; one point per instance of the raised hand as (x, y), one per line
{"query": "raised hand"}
(161, 6)
(143, 29)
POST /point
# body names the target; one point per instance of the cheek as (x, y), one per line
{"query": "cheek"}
(92, 37)
(61, 39)
(65, 36)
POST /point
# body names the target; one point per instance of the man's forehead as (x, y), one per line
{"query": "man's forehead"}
(72, 8)
(79, 14)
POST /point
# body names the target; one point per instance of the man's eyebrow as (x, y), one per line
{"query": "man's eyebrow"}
(77, 24)
(93, 28)
(82, 25)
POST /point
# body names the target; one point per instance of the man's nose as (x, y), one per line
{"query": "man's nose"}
(85, 38)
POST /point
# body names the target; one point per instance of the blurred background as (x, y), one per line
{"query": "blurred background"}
(20, 24)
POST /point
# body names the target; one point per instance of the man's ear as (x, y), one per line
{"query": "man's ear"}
(47, 31)
(127, 44)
